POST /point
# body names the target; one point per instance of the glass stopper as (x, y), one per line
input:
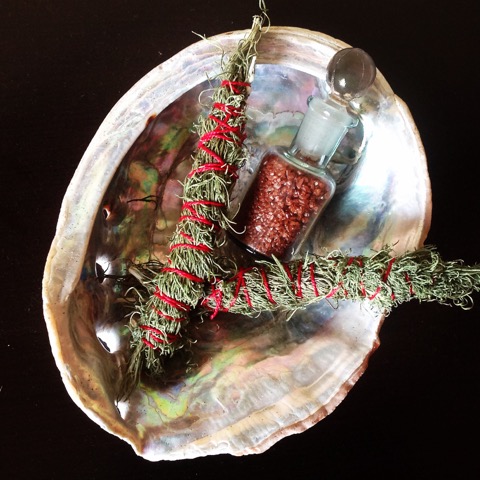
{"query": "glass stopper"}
(350, 72)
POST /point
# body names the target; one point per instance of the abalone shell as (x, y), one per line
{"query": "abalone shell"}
(254, 380)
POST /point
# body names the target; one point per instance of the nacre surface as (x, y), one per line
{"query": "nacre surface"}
(259, 379)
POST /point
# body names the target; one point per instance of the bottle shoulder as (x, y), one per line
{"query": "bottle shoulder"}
(284, 156)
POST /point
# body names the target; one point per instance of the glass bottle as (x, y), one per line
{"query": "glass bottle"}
(292, 186)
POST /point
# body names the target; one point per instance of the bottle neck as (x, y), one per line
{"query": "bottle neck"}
(321, 131)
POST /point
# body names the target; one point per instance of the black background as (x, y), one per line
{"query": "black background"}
(64, 64)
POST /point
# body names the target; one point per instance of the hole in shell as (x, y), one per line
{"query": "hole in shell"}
(99, 273)
(110, 337)
(106, 212)
(104, 344)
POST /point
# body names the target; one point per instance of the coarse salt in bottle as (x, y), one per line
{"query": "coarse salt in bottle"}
(292, 186)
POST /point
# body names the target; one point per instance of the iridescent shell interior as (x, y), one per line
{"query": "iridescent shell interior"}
(257, 379)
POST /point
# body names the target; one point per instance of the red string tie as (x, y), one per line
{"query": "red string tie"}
(230, 110)
(287, 271)
(183, 273)
(388, 270)
(239, 277)
(266, 285)
(299, 281)
(409, 282)
(171, 301)
(209, 203)
(384, 279)
(157, 336)
(200, 219)
(195, 216)
(208, 167)
(168, 317)
(202, 248)
(148, 344)
(216, 297)
(186, 236)
(312, 279)
(223, 131)
(334, 290)
(235, 86)
(362, 288)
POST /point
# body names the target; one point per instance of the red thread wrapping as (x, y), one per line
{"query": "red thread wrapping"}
(157, 336)
(334, 290)
(388, 270)
(384, 279)
(223, 131)
(350, 262)
(409, 283)
(148, 344)
(235, 86)
(377, 291)
(312, 279)
(240, 283)
(203, 248)
(208, 203)
(288, 272)
(299, 281)
(183, 273)
(195, 216)
(216, 296)
(186, 236)
(171, 301)
(168, 317)
(359, 261)
(208, 167)
(200, 219)
(267, 286)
